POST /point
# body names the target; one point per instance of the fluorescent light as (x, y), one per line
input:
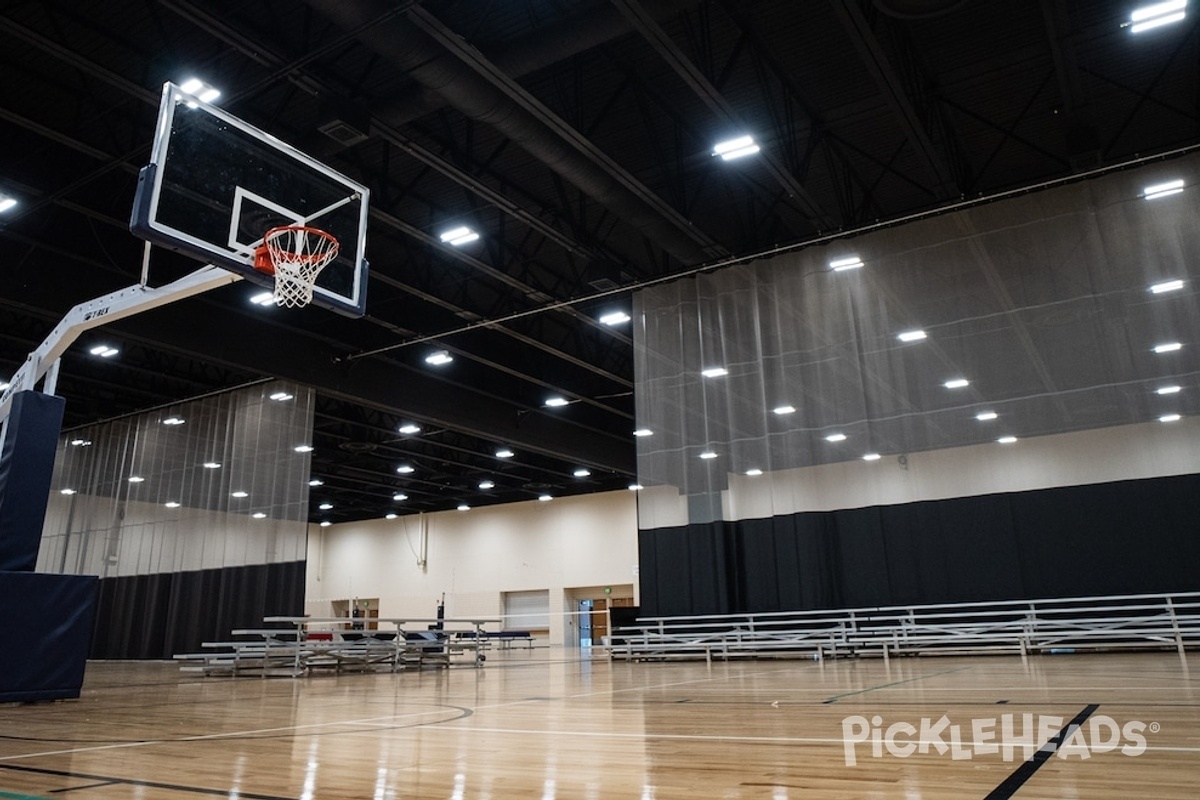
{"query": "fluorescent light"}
(399, 497)
(1162, 189)
(643, 432)
(582, 472)
(325, 523)
(708, 455)
(781, 410)
(439, 358)
(714, 372)
(104, 351)
(316, 482)
(1170, 418)
(635, 487)
(7, 203)
(843, 264)
(557, 402)
(390, 516)
(171, 504)
(80, 443)
(459, 236)
(303, 448)
(409, 429)
(485, 485)
(464, 507)
(754, 472)
(259, 515)
(504, 452)
(201, 90)
(1007, 439)
(136, 479)
(406, 469)
(1168, 390)
(239, 494)
(614, 318)
(544, 498)
(66, 491)
(212, 465)
(173, 421)
(872, 457)
(736, 148)
(1166, 286)
(836, 437)
(1157, 15)
(911, 336)
(985, 416)
(263, 299)
(279, 397)
(1168, 347)
(325, 506)
(956, 383)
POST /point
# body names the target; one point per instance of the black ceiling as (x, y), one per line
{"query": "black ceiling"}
(575, 135)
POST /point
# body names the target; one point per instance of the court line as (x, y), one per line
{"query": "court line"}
(835, 697)
(108, 779)
(1023, 773)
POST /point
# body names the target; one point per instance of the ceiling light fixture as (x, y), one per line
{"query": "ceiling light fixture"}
(1167, 347)
(409, 429)
(836, 437)
(439, 358)
(172, 504)
(582, 472)
(406, 469)
(399, 497)
(259, 515)
(104, 351)
(614, 318)
(325, 506)
(985, 416)
(1007, 439)
(640, 432)
(1166, 286)
(200, 90)
(872, 457)
(736, 148)
(279, 397)
(485, 485)
(544, 498)
(212, 465)
(1170, 418)
(459, 236)
(956, 383)
(635, 487)
(1168, 390)
(504, 452)
(843, 264)
(714, 372)
(263, 299)
(557, 402)
(754, 472)
(316, 482)
(1157, 15)
(239, 494)
(304, 448)
(174, 421)
(66, 491)
(136, 479)
(80, 443)
(7, 203)
(325, 523)
(392, 515)
(785, 409)
(911, 336)
(464, 507)
(1162, 189)
(708, 455)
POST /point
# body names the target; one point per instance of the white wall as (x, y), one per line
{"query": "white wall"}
(474, 556)
(1129, 452)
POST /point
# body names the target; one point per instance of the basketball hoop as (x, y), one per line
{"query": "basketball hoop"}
(295, 255)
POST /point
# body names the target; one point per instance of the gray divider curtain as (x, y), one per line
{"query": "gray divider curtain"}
(1034, 432)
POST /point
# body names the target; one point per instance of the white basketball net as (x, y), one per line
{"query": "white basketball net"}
(298, 254)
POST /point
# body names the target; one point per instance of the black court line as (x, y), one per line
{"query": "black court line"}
(108, 779)
(834, 698)
(1024, 772)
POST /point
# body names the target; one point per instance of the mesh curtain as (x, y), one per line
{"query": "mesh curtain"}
(1040, 302)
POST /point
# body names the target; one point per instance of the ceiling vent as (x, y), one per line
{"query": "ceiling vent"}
(342, 132)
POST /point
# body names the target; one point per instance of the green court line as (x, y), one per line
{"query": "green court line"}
(834, 698)
(13, 796)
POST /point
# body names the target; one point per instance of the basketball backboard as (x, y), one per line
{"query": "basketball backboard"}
(216, 184)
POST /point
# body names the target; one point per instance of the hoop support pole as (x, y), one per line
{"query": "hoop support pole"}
(108, 308)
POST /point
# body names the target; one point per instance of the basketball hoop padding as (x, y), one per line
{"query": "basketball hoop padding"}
(295, 255)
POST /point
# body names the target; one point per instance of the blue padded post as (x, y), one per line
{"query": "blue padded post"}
(26, 469)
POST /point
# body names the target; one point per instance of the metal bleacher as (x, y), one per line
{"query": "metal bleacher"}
(1062, 625)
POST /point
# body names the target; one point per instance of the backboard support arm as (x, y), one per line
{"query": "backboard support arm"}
(43, 362)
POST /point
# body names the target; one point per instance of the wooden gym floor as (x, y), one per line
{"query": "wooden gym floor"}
(549, 724)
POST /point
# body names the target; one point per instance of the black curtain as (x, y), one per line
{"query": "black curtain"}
(1127, 537)
(158, 616)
